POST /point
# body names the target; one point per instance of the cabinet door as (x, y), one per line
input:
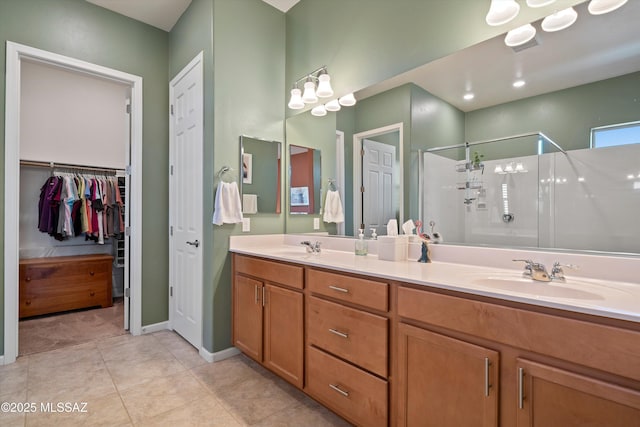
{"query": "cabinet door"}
(445, 381)
(247, 316)
(283, 333)
(551, 397)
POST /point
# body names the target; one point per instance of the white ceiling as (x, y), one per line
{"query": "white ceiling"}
(593, 49)
(164, 14)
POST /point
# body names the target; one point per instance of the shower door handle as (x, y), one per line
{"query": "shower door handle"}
(195, 243)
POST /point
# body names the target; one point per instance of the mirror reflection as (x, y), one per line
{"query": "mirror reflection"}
(582, 78)
(260, 163)
(304, 180)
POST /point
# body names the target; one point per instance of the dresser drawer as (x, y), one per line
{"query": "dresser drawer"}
(65, 271)
(270, 271)
(356, 395)
(351, 334)
(367, 293)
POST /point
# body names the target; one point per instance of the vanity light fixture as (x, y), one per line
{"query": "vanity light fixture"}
(559, 20)
(468, 96)
(520, 35)
(311, 92)
(319, 111)
(332, 105)
(502, 11)
(499, 170)
(347, 100)
(509, 168)
(519, 83)
(600, 7)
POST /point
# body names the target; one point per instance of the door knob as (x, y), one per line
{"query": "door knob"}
(195, 243)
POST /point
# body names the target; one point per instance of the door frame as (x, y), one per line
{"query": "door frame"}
(197, 61)
(340, 154)
(357, 169)
(15, 54)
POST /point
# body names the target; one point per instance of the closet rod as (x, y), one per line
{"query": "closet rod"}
(53, 165)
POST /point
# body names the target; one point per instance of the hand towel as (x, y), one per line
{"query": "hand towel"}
(249, 203)
(227, 206)
(333, 208)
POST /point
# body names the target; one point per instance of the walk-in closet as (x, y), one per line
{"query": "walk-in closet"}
(73, 211)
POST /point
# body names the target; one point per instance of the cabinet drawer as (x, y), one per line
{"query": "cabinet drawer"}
(47, 300)
(356, 395)
(367, 293)
(351, 334)
(64, 271)
(270, 271)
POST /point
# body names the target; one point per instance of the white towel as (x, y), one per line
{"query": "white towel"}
(227, 207)
(333, 208)
(249, 203)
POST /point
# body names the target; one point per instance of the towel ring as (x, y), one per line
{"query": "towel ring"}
(226, 171)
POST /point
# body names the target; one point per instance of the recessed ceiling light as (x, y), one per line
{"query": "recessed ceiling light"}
(468, 96)
(519, 83)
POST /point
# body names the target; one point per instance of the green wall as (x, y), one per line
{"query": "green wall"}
(249, 86)
(264, 173)
(81, 30)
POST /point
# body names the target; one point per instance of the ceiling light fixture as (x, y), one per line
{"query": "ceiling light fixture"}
(600, 7)
(519, 83)
(520, 35)
(468, 96)
(502, 11)
(559, 20)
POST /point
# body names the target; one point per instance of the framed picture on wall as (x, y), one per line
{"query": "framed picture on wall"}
(247, 168)
(299, 196)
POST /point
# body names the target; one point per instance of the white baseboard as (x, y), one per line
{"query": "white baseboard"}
(218, 355)
(2, 360)
(156, 327)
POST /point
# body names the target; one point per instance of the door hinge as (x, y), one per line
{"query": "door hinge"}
(170, 291)
(171, 230)
(171, 170)
(127, 231)
(172, 109)
(128, 108)
(362, 152)
(362, 189)
(127, 293)
(127, 170)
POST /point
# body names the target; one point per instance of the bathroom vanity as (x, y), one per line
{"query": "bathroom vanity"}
(402, 343)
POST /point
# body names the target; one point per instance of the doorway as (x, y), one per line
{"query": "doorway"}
(16, 54)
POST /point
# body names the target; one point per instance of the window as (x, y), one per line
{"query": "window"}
(620, 134)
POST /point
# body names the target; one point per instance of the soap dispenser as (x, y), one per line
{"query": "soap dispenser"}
(361, 244)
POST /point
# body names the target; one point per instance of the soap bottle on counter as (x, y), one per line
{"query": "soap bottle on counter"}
(361, 244)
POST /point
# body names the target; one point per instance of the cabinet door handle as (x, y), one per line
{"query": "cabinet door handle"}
(91, 273)
(338, 333)
(256, 293)
(487, 386)
(339, 390)
(264, 292)
(338, 289)
(28, 278)
(520, 388)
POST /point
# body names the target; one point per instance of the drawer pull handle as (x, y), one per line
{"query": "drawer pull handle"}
(28, 278)
(92, 293)
(28, 302)
(339, 390)
(338, 333)
(91, 273)
(336, 288)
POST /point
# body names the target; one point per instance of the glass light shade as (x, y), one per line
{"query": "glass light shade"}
(509, 168)
(347, 100)
(332, 105)
(520, 167)
(319, 111)
(520, 35)
(502, 11)
(296, 102)
(498, 170)
(309, 95)
(324, 86)
(599, 7)
(559, 20)
(539, 3)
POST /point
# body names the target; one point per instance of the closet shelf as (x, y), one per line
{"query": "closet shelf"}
(54, 165)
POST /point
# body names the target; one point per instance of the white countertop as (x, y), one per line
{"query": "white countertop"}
(595, 296)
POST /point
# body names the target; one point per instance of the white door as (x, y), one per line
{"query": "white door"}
(185, 202)
(378, 169)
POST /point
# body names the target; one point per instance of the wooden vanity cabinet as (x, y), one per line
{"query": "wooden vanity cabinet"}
(545, 369)
(444, 381)
(268, 315)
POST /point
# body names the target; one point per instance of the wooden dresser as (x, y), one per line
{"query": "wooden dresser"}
(50, 285)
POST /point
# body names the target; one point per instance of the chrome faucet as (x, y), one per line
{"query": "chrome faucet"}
(557, 272)
(535, 270)
(312, 248)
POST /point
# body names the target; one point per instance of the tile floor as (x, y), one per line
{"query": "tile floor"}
(153, 380)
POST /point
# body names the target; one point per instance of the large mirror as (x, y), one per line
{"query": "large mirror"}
(260, 163)
(577, 79)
